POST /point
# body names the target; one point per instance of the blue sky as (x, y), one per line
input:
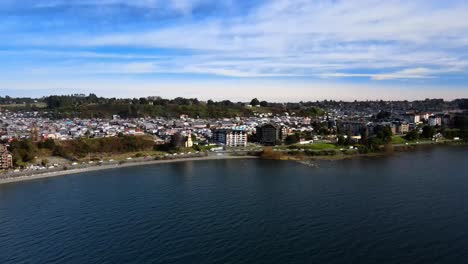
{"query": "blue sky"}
(281, 50)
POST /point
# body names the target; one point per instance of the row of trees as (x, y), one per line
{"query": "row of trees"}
(79, 105)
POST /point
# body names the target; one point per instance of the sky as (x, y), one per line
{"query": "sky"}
(277, 50)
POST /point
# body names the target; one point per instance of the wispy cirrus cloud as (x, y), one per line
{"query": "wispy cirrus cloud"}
(380, 41)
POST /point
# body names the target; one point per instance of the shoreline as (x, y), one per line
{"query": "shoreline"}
(394, 150)
(303, 160)
(114, 166)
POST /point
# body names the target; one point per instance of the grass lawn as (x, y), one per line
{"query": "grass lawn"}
(398, 140)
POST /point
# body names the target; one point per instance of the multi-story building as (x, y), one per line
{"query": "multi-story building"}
(6, 158)
(230, 137)
(270, 134)
(400, 128)
(354, 128)
(435, 121)
(403, 128)
(413, 118)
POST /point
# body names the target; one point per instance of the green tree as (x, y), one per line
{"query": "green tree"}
(341, 140)
(23, 151)
(412, 135)
(254, 102)
(292, 139)
(177, 141)
(428, 132)
(47, 144)
(383, 133)
(383, 115)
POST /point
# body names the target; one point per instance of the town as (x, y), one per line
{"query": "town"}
(39, 134)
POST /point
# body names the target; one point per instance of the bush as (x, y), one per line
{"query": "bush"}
(412, 135)
(47, 144)
(23, 151)
(115, 145)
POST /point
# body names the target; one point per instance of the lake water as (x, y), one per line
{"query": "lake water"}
(405, 208)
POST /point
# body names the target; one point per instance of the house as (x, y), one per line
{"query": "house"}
(6, 158)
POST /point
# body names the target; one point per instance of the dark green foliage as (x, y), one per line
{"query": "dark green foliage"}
(341, 140)
(60, 151)
(254, 102)
(91, 106)
(177, 141)
(47, 144)
(310, 111)
(382, 115)
(412, 135)
(428, 132)
(23, 151)
(383, 134)
(462, 103)
(114, 145)
(320, 152)
(292, 139)
(461, 122)
(451, 133)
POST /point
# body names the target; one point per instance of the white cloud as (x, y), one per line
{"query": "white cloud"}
(399, 39)
(415, 73)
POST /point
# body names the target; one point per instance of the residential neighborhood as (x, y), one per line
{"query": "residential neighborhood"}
(349, 122)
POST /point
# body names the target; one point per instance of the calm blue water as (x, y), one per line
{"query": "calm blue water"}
(407, 208)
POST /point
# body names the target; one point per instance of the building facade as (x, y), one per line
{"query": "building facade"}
(230, 137)
(6, 158)
(435, 121)
(271, 134)
(355, 128)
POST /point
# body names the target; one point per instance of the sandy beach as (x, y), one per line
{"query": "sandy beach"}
(114, 166)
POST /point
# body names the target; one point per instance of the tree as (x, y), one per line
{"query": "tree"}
(254, 102)
(412, 135)
(341, 140)
(292, 139)
(384, 133)
(428, 132)
(143, 101)
(263, 103)
(383, 115)
(177, 141)
(47, 144)
(23, 151)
